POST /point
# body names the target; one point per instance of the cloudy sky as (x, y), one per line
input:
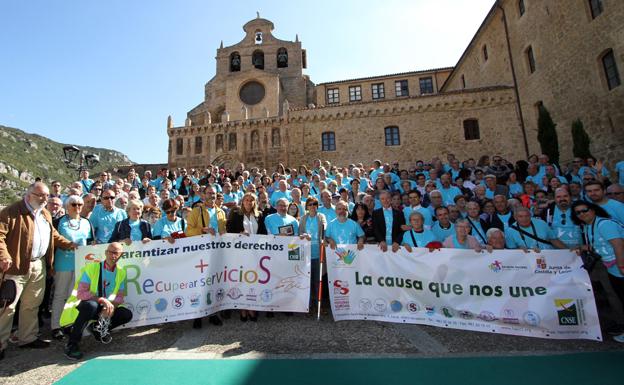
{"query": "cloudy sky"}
(108, 73)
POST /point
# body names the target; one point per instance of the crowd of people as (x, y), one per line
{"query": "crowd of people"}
(482, 205)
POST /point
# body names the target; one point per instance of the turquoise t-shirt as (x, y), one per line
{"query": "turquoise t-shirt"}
(426, 213)
(77, 231)
(135, 230)
(346, 233)
(164, 227)
(104, 222)
(108, 283)
(312, 228)
(388, 218)
(477, 231)
(274, 221)
(330, 213)
(449, 194)
(440, 233)
(615, 209)
(599, 235)
(516, 240)
(619, 167)
(564, 229)
(422, 239)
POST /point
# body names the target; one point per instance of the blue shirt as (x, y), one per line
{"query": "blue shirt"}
(104, 222)
(214, 223)
(231, 197)
(422, 239)
(164, 227)
(516, 240)
(312, 228)
(108, 282)
(346, 233)
(504, 218)
(77, 231)
(619, 167)
(448, 195)
(135, 230)
(330, 213)
(564, 229)
(277, 195)
(274, 221)
(477, 231)
(426, 213)
(615, 209)
(388, 218)
(515, 188)
(599, 236)
(440, 233)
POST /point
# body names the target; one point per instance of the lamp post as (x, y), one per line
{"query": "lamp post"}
(87, 161)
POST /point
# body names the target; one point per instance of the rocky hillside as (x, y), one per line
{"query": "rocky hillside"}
(24, 156)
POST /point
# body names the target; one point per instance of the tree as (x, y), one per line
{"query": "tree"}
(547, 135)
(580, 140)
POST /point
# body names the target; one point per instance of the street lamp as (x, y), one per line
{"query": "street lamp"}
(71, 153)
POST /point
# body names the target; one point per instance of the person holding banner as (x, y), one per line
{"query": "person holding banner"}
(170, 226)
(478, 226)
(417, 235)
(495, 239)
(246, 220)
(280, 223)
(605, 237)
(343, 230)
(443, 227)
(133, 228)
(313, 225)
(206, 218)
(99, 293)
(387, 223)
(530, 233)
(462, 238)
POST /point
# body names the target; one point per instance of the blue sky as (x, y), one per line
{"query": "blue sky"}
(108, 73)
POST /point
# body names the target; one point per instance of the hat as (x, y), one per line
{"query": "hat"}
(490, 176)
(336, 196)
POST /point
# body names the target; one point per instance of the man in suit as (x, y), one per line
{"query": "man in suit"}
(387, 224)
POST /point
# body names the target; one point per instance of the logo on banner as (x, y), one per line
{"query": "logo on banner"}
(341, 295)
(542, 267)
(531, 318)
(396, 306)
(341, 287)
(567, 312)
(541, 262)
(178, 302)
(251, 295)
(487, 316)
(160, 305)
(496, 266)
(209, 298)
(465, 314)
(430, 310)
(220, 294)
(294, 252)
(345, 257)
(365, 304)
(509, 317)
(413, 307)
(448, 312)
(380, 305)
(266, 295)
(194, 299)
(234, 293)
(143, 307)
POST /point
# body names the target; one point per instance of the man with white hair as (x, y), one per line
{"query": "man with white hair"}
(27, 242)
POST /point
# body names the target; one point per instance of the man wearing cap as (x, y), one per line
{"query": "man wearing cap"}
(492, 188)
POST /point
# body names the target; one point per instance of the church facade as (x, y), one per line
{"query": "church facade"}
(261, 109)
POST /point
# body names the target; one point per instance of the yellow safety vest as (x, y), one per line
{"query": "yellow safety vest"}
(70, 311)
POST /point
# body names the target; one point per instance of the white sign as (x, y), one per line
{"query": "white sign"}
(201, 275)
(544, 294)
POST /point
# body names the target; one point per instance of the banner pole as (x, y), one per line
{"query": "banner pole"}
(320, 286)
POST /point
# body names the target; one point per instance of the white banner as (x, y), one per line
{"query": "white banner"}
(201, 275)
(544, 294)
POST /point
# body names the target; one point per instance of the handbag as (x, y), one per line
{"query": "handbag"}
(8, 292)
(589, 258)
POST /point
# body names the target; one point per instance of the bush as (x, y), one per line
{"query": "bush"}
(547, 135)
(580, 140)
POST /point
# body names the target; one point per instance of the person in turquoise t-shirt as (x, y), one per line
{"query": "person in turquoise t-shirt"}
(343, 230)
(79, 231)
(605, 237)
(530, 233)
(417, 235)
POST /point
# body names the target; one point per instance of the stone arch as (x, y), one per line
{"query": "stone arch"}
(257, 59)
(282, 58)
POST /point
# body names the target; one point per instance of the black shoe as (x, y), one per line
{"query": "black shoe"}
(215, 320)
(253, 318)
(243, 318)
(1, 354)
(36, 344)
(226, 314)
(72, 352)
(270, 314)
(197, 323)
(58, 334)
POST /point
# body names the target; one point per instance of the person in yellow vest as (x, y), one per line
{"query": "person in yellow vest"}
(98, 293)
(206, 218)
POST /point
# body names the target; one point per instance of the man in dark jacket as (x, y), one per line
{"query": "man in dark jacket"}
(387, 224)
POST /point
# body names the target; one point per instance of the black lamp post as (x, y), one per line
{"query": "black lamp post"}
(87, 161)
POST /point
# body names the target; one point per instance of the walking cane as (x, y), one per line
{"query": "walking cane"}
(320, 286)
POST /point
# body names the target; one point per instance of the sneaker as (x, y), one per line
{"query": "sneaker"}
(72, 352)
(619, 338)
(58, 334)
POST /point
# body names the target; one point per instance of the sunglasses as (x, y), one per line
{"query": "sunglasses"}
(582, 211)
(108, 198)
(312, 204)
(171, 211)
(77, 205)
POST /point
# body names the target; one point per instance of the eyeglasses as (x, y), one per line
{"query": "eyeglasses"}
(312, 204)
(582, 211)
(40, 195)
(171, 211)
(77, 204)
(111, 198)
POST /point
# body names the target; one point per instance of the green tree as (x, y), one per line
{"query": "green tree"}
(547, 135)
(580, 140)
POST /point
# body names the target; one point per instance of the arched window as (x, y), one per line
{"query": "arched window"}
(282, 58)
(198, 145)
(255, 140)
(258, 38)
(257, 59)
(219, 142)
(179, 146)
(328, 141)
(471, 129)
(235, 62)
(393, 137)
(275, 137)
(232, 141)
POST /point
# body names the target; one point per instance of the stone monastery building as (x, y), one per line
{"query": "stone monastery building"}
(261, 109)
